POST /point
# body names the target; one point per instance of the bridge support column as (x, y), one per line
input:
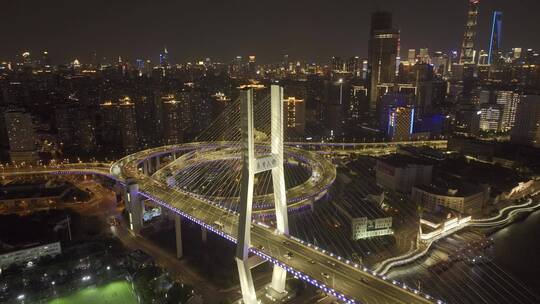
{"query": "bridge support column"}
(279, 279)
(279, 275)
(134, 206)
(178, 232)
(246, 198)
(204, 235)
(157, 162)
(146, 167)
(250, 166)
(246, 282)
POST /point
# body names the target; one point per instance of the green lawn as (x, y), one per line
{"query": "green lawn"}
(113, 293)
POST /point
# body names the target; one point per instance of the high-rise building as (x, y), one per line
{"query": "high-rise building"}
(236, 68)
(358, 105)
(117, 132)
(383, 51)
(495, 38)
(87, 135)
(411, 56)
(396, 116)
(336, 100)
(164, 57)
(45, 61)
(467, 46)
(128, 125)
(285, 63)
(509, 100)
(294, 116)
(440, 63)
(490, 117)
(400, 123)
(173, 120)
(527, 124)
(424, 55)
(21, 135)
(337, 64)
(483, 57)
(516, 53)
(354, 66)
(252, 68)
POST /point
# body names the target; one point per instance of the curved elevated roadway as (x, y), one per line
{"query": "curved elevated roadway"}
(350, 283)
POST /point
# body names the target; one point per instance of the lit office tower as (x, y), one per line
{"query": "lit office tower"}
(400, 123)
(127, 119)
(516, 53)
(294, 116)
(467, 47)
(164, 57)
(527, 126)
(383, 50)
(237, 67)
(173, 120)
(252, 69)
(483, 57)
(490, 117)
(424, 55)
(495, 37)
(411, 56)
(509, 100)
(21, 136)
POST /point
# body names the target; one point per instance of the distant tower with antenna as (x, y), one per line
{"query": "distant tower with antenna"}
(467, 47)
(495, 38)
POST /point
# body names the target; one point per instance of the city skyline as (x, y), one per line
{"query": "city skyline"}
(192, 33)
(295, 152)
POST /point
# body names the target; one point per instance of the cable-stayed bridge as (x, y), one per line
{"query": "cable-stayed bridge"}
(205, 183)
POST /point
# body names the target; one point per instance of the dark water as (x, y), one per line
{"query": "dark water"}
(517, 251)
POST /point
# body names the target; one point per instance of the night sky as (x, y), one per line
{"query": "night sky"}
(221, 29)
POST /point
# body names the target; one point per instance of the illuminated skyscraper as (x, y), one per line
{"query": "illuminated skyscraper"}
(424, 55)
(383, 51)
(467, 47)
(495, 38)
(490, 117)
(527, 124)
(128, 125)
(21, 135)
(252, 68)
(173, 119)
(164, 57)
(294, 115)
(411, 56)
(400, 123)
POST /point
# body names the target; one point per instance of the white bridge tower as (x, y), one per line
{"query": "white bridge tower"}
(250, 166)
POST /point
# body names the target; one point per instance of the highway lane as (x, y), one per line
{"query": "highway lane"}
(81, 168)
(339, 275)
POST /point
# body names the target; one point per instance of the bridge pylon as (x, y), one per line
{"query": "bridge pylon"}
(250, 166)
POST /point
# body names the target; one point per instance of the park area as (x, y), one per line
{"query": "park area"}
(119, 292)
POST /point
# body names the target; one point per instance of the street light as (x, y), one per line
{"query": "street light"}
(340, 81)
